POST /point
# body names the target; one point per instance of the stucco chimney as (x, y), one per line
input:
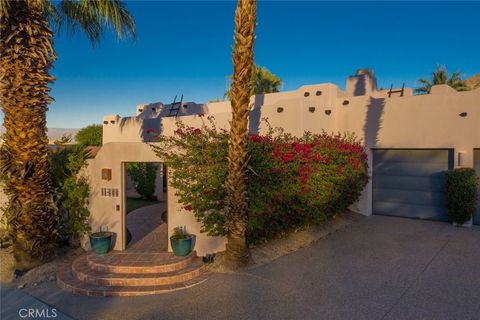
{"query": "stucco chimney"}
(362, 83)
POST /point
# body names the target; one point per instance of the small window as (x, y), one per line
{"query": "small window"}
(311, 109)
(112, 121)
(153, 109)
(306, 94)
(105, 122)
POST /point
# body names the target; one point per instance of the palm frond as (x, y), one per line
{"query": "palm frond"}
(94, 16)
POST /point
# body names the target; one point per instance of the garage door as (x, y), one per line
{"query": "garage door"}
(476, 164)
(411, 182)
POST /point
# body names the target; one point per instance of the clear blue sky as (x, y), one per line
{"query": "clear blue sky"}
(185, 47)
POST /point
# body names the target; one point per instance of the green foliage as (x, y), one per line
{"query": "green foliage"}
(179, 233)
(143, 176)
(461, 192)
(91, 135)
(440, 76)
(292, 182)
(72, 191)
(263, 81)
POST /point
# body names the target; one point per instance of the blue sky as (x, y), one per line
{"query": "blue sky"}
(185, 47)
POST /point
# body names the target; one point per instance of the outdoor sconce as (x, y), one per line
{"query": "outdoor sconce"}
(328, 112)
(461, 159)
(345, 102)
(106, 174)
(463, 114)
(306, 94)
(318, 93)
(279, 109)
(105, 122)
(311, 109)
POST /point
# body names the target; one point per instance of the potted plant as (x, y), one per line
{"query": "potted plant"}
(461, 192)
(101, 242)
(182, 242)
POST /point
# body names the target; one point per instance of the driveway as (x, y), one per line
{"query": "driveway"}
(378, 268)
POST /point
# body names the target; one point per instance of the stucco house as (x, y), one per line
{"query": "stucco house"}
(410, 141)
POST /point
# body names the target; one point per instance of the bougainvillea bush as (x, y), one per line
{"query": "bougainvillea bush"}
(292, 182)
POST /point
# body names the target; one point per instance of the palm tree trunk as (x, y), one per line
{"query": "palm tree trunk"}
(245, 19)
(26, 57)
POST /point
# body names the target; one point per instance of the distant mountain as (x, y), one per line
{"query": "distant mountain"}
(473, 82)
(55, 133)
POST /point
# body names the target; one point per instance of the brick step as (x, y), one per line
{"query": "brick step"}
(68, 282)
(82, 271)
(140, 262)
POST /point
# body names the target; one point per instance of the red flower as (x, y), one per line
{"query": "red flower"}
(187, 207)
(150, 130)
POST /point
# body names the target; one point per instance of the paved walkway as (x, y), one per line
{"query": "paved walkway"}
(379, 268)
(16, 304)
(149, 232)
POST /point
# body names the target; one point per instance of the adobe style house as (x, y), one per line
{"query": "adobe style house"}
(410, 141)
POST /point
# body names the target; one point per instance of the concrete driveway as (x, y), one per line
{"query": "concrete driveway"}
(379, 268)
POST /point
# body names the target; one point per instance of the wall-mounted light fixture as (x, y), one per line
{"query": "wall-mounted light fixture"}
(463, 114)
(461, 159)
(106, 174)
(279, 109)
(311, 109)
(306, 94)
(345, 102)
(328, 112)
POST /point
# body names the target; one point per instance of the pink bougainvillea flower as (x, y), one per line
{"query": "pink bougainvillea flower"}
(187, 207)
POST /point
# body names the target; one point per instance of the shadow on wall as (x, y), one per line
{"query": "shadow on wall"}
(255, 114)
(373, 121)
(360, 86)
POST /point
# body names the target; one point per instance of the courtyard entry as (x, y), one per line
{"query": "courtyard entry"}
(145, 207)
(411, 182)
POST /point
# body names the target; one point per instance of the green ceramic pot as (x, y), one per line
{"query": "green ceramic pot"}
(182, 247)
(101, 242)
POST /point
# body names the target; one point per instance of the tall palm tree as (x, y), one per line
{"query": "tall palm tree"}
(242, 57)
(27, 54)
(263, 81)
(440, 76)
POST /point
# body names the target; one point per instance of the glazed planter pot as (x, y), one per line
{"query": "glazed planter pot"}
(101, 242)
(182, 247)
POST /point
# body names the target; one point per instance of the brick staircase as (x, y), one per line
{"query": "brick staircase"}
(130, 273)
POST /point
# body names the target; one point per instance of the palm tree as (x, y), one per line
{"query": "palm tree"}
(27, 54)
(263, 81)
(440, 76)
(242, 57)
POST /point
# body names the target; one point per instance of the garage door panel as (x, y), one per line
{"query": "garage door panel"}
(411, 155)
(424, 198)
(413, 169)
(410, 182)
(411, 211)
(435, 184)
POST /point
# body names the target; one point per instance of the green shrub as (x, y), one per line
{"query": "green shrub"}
(143, 176)
(461, 192)
(91, 135)
(72, 190)
(292, 182)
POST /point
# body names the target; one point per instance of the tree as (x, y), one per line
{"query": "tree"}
(440, 76)
(263, 81)
(242, 57)
(27, 54)
(90, 135)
